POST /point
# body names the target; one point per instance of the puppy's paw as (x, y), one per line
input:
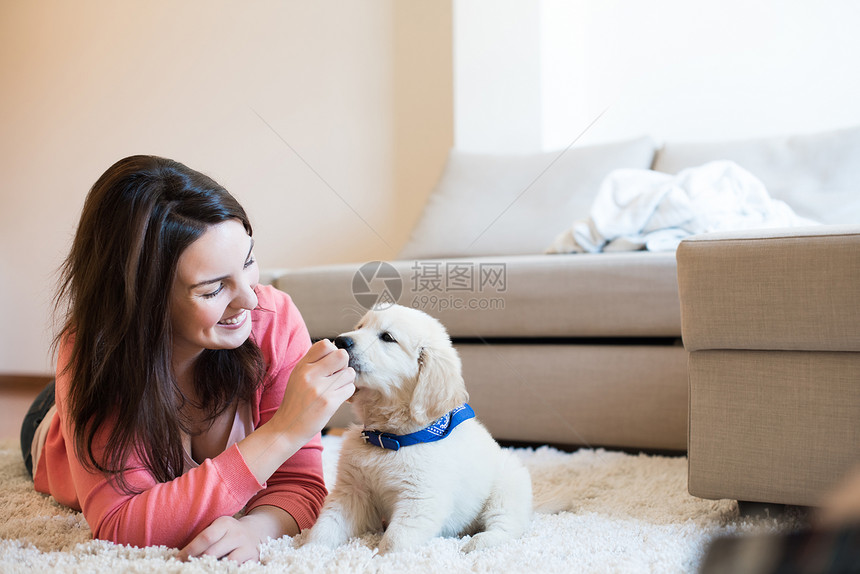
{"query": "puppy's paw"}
(386, 546)
(324, 533)
(485, 540)
(301, 539)
(318, 541)
(397, 539)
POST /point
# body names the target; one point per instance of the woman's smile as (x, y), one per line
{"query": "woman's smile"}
(235, 321)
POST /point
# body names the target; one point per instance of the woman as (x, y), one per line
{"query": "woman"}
(185, 392)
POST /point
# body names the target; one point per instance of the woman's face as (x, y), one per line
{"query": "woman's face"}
(213, 291)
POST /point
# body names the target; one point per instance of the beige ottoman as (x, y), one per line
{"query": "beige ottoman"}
(771, 323)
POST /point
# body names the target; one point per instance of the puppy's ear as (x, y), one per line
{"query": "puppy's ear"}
(440, 387)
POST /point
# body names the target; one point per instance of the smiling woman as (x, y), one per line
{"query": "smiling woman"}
(213, 313)
(185, 391)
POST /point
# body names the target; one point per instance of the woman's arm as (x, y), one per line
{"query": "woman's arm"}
(318, 385)
(175, 512)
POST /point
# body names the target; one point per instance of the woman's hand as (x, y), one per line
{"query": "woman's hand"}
(226, 537)
(318, 385)
(320, 382)
(240, 540)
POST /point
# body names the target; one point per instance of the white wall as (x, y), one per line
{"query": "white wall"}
(330, 173)
(497, 75)
(358, 101)
(674, 69)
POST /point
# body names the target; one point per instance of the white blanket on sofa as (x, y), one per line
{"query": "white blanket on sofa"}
(644, 209)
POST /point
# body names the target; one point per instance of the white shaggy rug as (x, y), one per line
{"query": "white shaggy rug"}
(624, 513)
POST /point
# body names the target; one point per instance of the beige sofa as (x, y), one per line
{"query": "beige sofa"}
(772, 324)
(564, 349)
(586, 350)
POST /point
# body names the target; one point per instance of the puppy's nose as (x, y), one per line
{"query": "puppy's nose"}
(344, 342)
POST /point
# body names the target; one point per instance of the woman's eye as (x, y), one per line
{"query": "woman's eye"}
(249, 262)
(213, 293)
(386, 336)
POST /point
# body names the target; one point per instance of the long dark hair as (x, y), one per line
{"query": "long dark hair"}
(115, 285)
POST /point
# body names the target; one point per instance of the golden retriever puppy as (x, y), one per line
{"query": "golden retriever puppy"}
(421, 466)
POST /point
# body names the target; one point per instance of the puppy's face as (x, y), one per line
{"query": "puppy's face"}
(407, 371)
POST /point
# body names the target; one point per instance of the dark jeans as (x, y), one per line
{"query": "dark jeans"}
(32, 419)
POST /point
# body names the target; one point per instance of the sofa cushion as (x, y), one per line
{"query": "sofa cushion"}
(817, 175)
(585, 394)
(515, 204)
(792, 289)
(524, 296)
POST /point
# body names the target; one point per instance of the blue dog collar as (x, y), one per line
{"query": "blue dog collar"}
(441, 428)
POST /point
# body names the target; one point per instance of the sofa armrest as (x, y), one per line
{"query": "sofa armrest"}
(772, 289)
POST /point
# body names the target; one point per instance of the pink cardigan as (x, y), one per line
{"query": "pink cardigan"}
(172, 513)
